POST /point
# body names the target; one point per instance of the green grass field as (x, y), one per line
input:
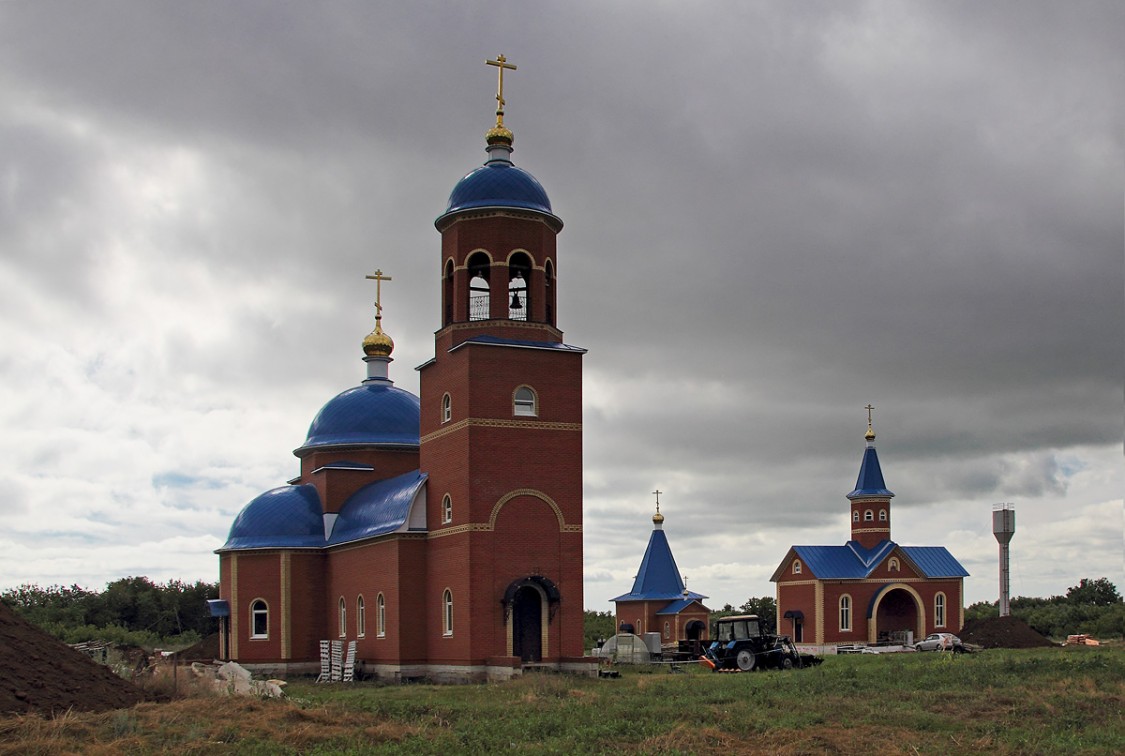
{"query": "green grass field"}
(1058, 701)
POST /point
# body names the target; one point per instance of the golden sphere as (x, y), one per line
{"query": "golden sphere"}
(378, 344)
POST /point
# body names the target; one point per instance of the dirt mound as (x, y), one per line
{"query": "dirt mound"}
(39, 673)
(206, 650)
(1002, 632)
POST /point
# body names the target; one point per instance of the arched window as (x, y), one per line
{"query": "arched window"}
(892, 564)
(447, 292)
(381, 616)
(343, 618)
(480, 305)
(360, 617)
(796, 566)
(855, 516)
(446, 509)
(447, 612)
(869, 516)
(259, 619)
(639, 629)
(882, 515)
(446, 408)
(519, 274)
(479, 266)
(845, 613)
(667, 631)
(524, 402)
(939, 610)
(549, 285)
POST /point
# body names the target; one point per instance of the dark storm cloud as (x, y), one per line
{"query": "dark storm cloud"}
(776, 213)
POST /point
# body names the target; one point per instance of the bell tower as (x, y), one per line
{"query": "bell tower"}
(870, 509)
(501, 428)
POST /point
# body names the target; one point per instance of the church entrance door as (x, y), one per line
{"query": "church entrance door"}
(898, 613)
(527, 625)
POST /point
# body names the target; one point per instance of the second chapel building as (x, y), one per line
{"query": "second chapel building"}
(870, 589)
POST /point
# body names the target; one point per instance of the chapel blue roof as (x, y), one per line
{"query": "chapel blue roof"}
(373, 413)
(658, 577)
(292, 517)
(678, 606)
(285, 517)
(854, 562)
(377, 509)
(498, 183)
(490, 340)
(870, 482)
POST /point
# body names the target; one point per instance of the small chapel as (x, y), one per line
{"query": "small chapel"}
(871, 589)
(659, 601)
(441, 533)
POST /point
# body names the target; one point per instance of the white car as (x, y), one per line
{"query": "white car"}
(939, 642)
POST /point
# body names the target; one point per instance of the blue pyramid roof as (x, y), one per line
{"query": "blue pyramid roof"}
(658, 577)
(870, 482)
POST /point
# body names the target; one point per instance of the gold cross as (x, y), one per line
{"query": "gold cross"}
(658, 492)
(378, 278)
(501, 63)
(869, 408)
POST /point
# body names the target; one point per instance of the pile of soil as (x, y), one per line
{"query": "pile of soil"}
(206, 650)
(41, 674)
(1002, 632)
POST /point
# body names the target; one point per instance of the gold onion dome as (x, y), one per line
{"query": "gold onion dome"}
(498, 134)
(870, 434)
(378, 344)
(658, 519)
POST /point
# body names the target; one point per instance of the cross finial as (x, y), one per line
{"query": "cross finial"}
(658, 492)
(501, 63)
(869, 408)
(870, 435)
(378, 278)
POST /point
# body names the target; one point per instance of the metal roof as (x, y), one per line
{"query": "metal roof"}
(519, 344)
(678, 606)
(499, 184)
(658, 577)
(870, 482)
(853, 562)
(285, 517)
(371, 414)
(377, 509)
(934, 561)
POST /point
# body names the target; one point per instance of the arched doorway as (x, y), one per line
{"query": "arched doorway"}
(895, 610)
(694, 630)
(527, 624)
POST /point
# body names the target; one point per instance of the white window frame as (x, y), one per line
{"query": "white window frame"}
(882, 515)
(264, 611)
(447, 613)
(380, 616)
(855, 515)
(939, 609)
(869, 516)
(360, 617)
(523, 406)
(846, 613)
(343, 617)
(446, 407)
(446, 509)
(797, 567)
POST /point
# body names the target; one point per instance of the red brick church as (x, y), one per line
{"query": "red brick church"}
(442, 533)
(870, 589)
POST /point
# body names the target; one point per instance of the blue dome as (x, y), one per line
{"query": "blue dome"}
(289, 516)
(374, 413)
(498, 183)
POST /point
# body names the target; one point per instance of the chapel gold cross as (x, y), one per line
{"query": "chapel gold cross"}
(501, 63)
(869, 408)
(658, 492)
(378, 278)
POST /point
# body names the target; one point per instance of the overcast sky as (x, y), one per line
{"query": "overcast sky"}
(776, 213)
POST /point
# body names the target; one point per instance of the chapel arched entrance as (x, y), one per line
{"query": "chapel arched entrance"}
(896, 609)
(527, 624)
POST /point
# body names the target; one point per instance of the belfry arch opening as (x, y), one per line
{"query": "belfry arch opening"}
(549, 292)
(479, 267)
(447, 293)
(519, 275)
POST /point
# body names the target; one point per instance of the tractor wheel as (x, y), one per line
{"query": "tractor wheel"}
(786, 663)
(745, 660)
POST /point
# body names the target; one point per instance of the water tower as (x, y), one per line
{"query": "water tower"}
(1004, 527)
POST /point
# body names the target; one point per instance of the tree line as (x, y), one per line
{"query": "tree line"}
(132, 610)
(1094, 606)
